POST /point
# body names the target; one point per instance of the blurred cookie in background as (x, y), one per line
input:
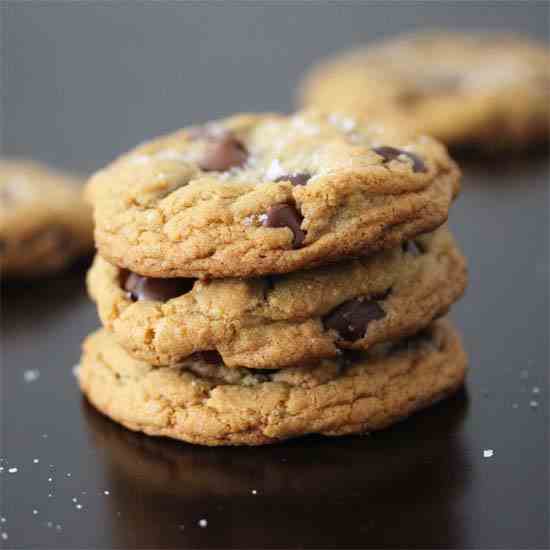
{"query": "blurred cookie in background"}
(44, 222)
(489, 91)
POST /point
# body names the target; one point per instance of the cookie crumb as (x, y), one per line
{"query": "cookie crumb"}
(488, 453)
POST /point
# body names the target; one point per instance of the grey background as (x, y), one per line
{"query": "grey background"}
(84, 81)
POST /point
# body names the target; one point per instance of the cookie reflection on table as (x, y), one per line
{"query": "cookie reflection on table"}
(419, 466)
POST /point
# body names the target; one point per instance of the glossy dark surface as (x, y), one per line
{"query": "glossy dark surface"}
(87, 81)
(424, 483)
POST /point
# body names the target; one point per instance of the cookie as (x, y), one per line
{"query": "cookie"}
(210, 404)
(44, 221)
(259, 194)
(487, 90)
(283, 320)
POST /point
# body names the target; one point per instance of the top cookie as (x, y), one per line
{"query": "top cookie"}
(44, 221)
(491, 90)
(258, 194)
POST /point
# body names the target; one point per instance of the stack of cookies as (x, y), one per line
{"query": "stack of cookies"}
(267, 276)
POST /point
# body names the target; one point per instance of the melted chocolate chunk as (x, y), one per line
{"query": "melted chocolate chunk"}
(391, 153)
(351, 319)
(156, 290)
(222, 153)
(413, 247)
(286, 215)
(211, 356)
(295, 179)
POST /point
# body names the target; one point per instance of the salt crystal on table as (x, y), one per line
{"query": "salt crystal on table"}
(31, 375)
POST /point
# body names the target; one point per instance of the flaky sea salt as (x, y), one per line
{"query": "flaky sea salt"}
(31, 375)
(275, 170)
(76, 370)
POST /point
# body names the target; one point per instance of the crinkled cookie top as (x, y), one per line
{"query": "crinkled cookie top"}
(268, 193)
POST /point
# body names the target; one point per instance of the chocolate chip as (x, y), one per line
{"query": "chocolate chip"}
(295, 179)
(210, 356)
(156, 290)
(222, 153)
(286, 215)
(351, 319)
(413, 247)
(391, 153)
(3, 246)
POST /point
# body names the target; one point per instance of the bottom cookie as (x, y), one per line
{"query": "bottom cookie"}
(206, 403)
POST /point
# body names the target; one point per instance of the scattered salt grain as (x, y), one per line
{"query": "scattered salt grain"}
(35, 461)
(488, 453)
(3, 520)
(254, 492)
(78, 506)
(533, 404)
(4, 536)
(69, 474)
(13, 470)
(49, 524)
(31, 375)
(106, 493)
(50, 480)
(275, 170)
(34, 512)
(58, 527)
(535, 389)
(203, 523)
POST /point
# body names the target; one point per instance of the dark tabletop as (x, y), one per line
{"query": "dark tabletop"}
(70, 478)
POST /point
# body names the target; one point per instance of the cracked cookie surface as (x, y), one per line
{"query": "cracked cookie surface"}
(44, 221)
(491, 91)
(258, 194)
(210, 404)
(283, 320)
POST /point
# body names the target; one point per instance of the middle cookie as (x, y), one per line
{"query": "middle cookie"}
(278, 321)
